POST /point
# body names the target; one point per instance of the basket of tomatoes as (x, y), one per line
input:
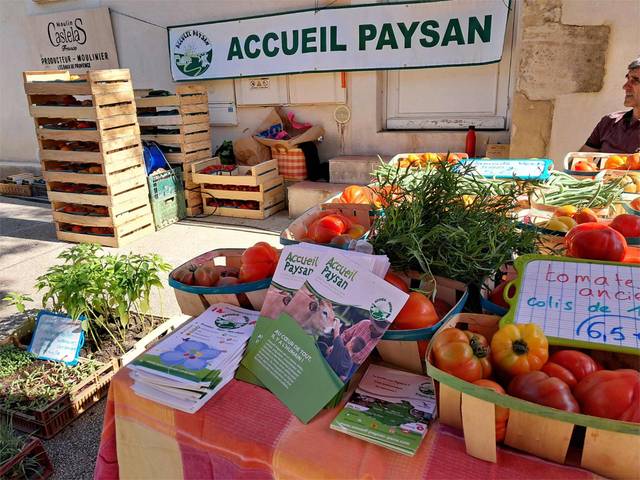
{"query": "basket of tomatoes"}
(588, 164)
(430, 303)
(505, 385)
(235, 276)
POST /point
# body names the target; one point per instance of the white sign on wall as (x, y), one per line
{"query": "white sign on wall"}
(77, 40)
(360, 37)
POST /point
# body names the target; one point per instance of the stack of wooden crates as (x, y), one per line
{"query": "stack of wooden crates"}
(179, 123)
(91, 154)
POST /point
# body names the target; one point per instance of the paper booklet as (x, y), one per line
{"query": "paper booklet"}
(327, 329)
(390, 408)
(186, 368)
(296, 263)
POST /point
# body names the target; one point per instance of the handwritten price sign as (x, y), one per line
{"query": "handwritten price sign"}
(57, 337)
(581, 303)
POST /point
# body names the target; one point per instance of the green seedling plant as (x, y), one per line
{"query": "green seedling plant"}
(10, 446)
(17, 300)
(13, 359)
(102, 289)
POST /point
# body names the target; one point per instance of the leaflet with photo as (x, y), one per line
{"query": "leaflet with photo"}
(390, 408)
(327, 329)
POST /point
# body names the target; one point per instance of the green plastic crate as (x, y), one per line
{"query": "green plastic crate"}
(168, 210)
(166, 184)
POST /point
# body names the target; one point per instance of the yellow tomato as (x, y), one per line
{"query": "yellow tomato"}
(565, 211)
(557, 225)
(615, 162)
(519, 348)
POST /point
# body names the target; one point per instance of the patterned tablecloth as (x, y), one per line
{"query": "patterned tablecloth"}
(245, 432)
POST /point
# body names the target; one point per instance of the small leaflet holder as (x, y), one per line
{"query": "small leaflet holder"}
(57, 337)
(518, 168)
(579, 303)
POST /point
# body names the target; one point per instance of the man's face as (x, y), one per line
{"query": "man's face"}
(632, 89)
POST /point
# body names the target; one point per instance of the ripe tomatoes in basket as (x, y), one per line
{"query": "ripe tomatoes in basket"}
(418, 312)
(461, 353)
(258, 262)
(628, 225)
(595, 241)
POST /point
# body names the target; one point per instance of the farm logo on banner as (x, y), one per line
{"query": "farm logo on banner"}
(77, 40)
(417, 34)
(193, 53)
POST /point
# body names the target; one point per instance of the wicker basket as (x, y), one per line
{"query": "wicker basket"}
(194, 300)
(610, 447)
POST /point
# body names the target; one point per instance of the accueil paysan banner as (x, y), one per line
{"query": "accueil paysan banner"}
(365, 37)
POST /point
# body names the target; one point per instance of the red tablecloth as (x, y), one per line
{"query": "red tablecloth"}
(245, 432)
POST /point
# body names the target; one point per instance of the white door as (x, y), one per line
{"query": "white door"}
(452, 97)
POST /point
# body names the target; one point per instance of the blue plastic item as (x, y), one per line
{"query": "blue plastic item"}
(153, 157)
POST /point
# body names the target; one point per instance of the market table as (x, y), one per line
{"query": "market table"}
(245, 432)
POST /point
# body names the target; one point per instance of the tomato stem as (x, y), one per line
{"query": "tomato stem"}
(520, 347)
(479, 350)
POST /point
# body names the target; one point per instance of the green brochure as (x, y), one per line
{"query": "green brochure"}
(289, 364)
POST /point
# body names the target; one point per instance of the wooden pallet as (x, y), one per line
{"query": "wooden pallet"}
(191, 121)
(114, 147)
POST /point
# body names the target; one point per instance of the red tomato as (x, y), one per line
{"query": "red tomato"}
(540, 388)
(583, 227)
(633, 161)
(418, 312)
(206, 275)
(584, 166)
(558, 371)
(627, 224)
(258, 262)
(185, 274)
(611, 394)
(502, 413)
(323, 229)
(462, 353)
(579, 364)
(632, 255)
(396, 281)
(585, 215)
(635, 203)
(497, 295)
(596, 243)
(442, 307)
(357, 194)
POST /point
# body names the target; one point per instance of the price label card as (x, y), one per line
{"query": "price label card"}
(524, 168)
(57, 337)
(584, 303)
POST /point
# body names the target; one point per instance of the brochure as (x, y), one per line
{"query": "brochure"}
(296, 264)
(328, 328)
(390, 408)
(186, 368)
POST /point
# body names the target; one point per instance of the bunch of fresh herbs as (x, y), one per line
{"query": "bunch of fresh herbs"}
(446, 221)
(102, 289)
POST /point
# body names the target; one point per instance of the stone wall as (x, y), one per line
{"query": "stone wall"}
(573, 59)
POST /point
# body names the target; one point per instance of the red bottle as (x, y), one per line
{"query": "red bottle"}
(470, 147)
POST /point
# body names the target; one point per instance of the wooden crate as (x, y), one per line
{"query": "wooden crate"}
(50, 420)
(33, 450)
(113, 152)
(191, 121)
(266, 185)
(610, 447)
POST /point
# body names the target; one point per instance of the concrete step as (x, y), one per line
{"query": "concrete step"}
(304, 195)
(354, 169)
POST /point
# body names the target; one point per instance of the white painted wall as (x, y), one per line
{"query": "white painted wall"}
(142, 48)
